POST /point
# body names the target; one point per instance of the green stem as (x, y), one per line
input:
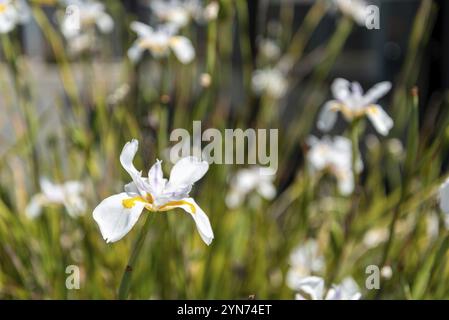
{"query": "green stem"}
(354, 133)
(126, 278)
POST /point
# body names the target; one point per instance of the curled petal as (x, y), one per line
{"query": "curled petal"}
(201, 220)
(187, 171)
(114, 219)
(126, 159)
(328, 115)
(380, 119)
(182, 48)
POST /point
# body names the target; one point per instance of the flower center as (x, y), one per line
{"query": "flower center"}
(3, 7)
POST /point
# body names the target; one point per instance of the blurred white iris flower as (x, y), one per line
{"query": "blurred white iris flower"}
(159, 42)
(353, 103)
(246, 181)
(178, 13)
(334, 155)
(116, 215)
(312, 288)
(270, 81)
(68, 194)
(83, 15)
(305, 260)
(12, 13)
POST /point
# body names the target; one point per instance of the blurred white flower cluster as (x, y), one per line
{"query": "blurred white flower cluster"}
(165, 37)
(335, 156)
(245, 181)
(68, 194)
(306, 262)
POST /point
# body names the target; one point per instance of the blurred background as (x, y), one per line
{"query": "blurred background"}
(68, 104)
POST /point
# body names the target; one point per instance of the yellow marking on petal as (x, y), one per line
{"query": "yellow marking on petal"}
(372, 110)
(130, 202)
(336, 107)
(3, 7)
(172, 204)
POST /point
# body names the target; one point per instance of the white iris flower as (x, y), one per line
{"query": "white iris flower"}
(117, 214)
(12, 13)
(159, 42)
(353, 103)
(84, 15)
(68, 194)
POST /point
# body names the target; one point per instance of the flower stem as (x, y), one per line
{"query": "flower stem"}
(354, 132)
(126, 278)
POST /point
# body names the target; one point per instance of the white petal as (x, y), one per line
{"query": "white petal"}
(183, 49)
(6, 24)
(234, 199)
(75, 206)
(444, 196)
(345, 182)
(34, 208)
(376, 92)
(114, 220)
(201, 220)
(131, 189)
(73, 187)
(347, 290)
(341, 89)
(267, 190)
(135, 53)
(328, 116)
(126, 159)
(313, 287)
(47, 186)
(380, 119)
(187, 171)
(105, 23)
(156, 178)
(141, 29)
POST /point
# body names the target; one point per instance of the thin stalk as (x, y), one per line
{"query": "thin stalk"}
(126, 278)
(354, 133)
